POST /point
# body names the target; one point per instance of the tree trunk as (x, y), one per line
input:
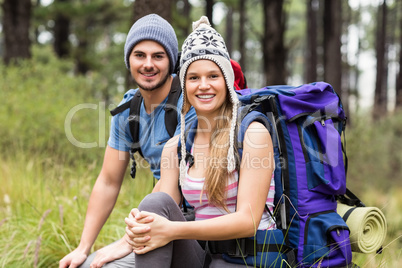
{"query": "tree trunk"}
(209, 8)
(311, 57)
(186, 14)
(346, 68)
(398, 87)
(242, 35)
(332, 44)
(61, 31)
(380, 93)
(355, 71)
(37, 5)
(229, 31)
(145, 7)
(16, 23)
(81, 63)
(274, 52)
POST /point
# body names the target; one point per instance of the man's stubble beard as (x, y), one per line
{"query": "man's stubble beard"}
(160, 84)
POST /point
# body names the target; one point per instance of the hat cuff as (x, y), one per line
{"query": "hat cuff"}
(222, 63)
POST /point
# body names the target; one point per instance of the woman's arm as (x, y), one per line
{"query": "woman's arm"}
(254, 183)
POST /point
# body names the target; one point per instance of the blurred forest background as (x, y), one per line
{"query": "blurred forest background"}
(62, 70)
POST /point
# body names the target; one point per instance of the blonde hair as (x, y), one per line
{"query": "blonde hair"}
(217, 174)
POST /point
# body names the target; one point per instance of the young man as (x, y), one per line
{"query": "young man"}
(150, 53)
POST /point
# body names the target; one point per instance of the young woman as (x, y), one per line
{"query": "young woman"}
(229, 196)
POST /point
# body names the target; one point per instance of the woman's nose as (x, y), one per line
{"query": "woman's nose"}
(204, 84)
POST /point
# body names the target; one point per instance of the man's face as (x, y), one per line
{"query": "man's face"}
(149, 65)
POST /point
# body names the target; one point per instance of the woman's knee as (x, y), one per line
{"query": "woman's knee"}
(154, 202)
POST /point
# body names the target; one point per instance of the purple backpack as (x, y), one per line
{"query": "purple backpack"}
(306, 124)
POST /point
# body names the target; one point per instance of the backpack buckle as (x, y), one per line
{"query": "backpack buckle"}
(234, 248)
(239, 250)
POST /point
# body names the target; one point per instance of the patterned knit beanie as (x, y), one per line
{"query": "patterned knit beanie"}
(206, 43)
(155, 28)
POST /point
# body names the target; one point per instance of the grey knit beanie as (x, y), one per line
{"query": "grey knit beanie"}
(206, 43)
(155, 28)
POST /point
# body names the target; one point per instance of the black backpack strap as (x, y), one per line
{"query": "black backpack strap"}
(134, 119)
(243, 247)
(120, 108)
(134, 124)
(171, 106)
(350, 199)
(135, 105)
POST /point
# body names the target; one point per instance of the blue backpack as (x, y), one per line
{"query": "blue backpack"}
(306, 124)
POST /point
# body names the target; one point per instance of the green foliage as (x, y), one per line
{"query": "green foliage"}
(97, 34)
(40, 95)
(375, 153)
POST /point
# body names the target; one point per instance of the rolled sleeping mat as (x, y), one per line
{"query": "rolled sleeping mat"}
(367, 225)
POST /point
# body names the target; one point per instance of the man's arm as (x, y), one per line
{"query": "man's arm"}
(101, 203)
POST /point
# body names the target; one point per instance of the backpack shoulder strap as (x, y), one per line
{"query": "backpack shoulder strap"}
(171, 106)
(246, 120)
(135, 105)
(189, 139)
(134, 119)
(120, 109)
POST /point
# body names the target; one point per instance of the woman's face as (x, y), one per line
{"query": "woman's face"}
(205, 87)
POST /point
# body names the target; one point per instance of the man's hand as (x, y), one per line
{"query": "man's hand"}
(111, 252)
(73, 259)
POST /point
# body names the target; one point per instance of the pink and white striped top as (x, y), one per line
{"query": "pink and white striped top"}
(192, 188)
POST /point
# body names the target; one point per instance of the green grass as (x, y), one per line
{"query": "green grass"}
(43, 205)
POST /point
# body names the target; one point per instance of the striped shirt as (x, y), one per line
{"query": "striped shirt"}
(193, 187)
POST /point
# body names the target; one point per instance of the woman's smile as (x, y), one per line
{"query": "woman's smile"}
(205, 96)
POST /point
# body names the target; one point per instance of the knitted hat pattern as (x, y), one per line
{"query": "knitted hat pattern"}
(155, 28)
(205, 43)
